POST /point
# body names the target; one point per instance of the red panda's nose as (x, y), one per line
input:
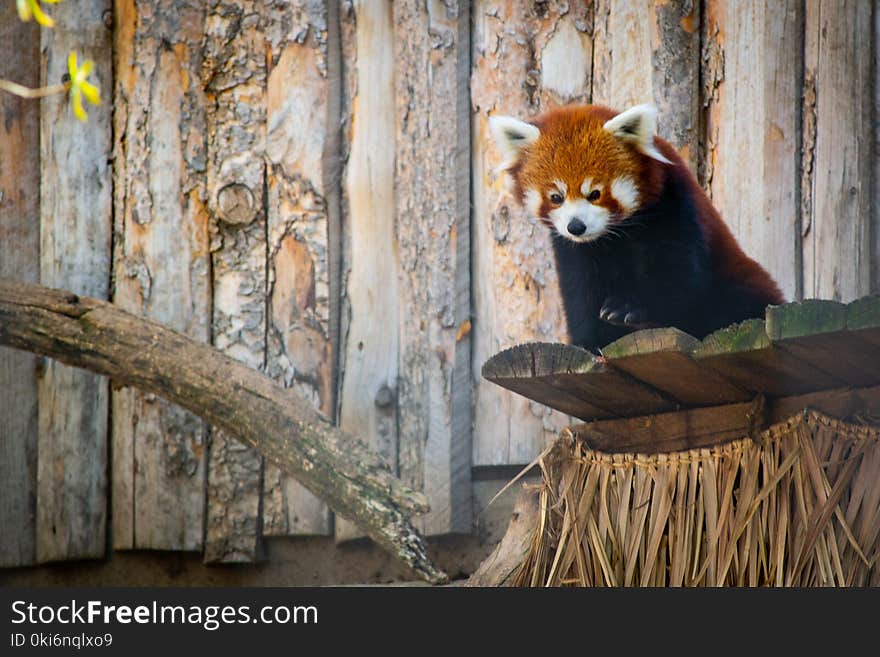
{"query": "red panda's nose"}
(576, 227)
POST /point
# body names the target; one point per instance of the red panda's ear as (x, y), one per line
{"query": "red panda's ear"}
(512, 136)
(637, 126)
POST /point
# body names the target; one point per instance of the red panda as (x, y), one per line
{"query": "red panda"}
(637, 242)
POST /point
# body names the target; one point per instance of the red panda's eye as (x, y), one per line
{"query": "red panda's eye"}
(556, 198)
(594, 195)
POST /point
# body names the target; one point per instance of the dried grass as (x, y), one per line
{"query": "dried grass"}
(798, 506)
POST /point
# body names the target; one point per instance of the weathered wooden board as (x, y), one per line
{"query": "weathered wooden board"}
(668, 432)
(598, 383)
(703, 427)
(516, 369)
(432, 219)
(875, 204)
(75, 238)
(863, 319)
(234, 78)
(526, 57)
(752, 83)
(303, 214)
(571, 372)
(648, 51)
(662, 359)
(839, 132)
(843, 403)
(161, 263)
(803, 347)
(744, 355)
(369, 348)
(815, 331)
(20, 260)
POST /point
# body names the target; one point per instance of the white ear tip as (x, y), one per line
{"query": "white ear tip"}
(650, 113)
(638, 125)
(512, 132)
(496, 125)
(645, 115)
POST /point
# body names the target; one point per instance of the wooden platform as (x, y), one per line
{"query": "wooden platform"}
(679, 392)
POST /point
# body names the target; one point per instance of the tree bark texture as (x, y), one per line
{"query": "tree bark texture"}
(302, 124)
(233, 77)
(162, 263)
(334, 465)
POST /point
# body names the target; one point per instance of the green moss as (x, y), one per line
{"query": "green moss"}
(649, 341)
(745, 336)
(863, 313)
(792, 320)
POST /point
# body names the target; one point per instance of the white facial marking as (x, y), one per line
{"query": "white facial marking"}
(533, 201)
(561, 186)
(587, 186)
(593, 217)
(624, 190)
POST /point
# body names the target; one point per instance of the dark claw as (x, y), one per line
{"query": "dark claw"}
(634, 317)
(610, 308)
(619, 312)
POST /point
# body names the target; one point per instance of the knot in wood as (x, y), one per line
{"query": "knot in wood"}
(384, 397)
(235, 204)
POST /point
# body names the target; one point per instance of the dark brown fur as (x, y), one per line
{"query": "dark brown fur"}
(702, 282)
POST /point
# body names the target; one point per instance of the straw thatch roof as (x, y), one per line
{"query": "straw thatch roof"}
(797, 506)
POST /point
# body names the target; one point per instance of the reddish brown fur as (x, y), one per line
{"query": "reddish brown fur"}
(574, 145)
(732, 262)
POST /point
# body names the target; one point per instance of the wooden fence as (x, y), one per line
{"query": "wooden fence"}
(310, 187)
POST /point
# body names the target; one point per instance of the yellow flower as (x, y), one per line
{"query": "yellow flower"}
(28, 9)
(80, 87)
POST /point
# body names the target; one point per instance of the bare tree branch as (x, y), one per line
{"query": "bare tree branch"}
(336, 466)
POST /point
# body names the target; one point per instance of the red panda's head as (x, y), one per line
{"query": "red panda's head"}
(583, 169)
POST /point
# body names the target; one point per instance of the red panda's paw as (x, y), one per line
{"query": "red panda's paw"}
(623, 313)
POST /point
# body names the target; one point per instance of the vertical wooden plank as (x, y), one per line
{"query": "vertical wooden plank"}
(647, 51)
(20, 260)
(75, 237)
(369, 346)
(234, 77)
(526, 58)
(753, 128)
(875, 155)
(431, 202)
(161, 263)
(303, 115)
(837, 239)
